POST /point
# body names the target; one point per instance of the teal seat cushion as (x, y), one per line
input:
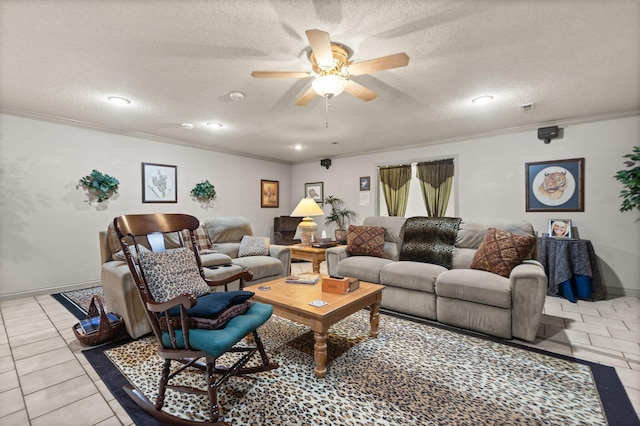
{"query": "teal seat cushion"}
(217, 342)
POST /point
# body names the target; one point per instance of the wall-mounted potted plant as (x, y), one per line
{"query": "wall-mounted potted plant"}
(99, 185)
(339, 215)
(630, 179)
(204, 192)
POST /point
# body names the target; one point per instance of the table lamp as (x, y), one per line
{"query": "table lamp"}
(306, 208)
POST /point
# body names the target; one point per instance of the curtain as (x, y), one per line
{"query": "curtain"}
(395, 187)
(436, 179)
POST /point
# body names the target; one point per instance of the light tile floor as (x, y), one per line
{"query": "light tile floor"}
(46, 380)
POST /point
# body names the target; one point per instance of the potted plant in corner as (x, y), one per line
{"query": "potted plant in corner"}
(339, 215)
(204, 192)
(630, 178)
(100, 185)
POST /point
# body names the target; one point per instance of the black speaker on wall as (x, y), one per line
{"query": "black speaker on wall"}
(548, 133)
(326, 163)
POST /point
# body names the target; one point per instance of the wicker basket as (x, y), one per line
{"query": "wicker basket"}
(106, 331)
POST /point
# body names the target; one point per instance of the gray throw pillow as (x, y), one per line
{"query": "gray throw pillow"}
(254, 246)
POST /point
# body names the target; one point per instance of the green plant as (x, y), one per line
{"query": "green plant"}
(204, 191)
(102, 185)
(339, 215)
(630, 178)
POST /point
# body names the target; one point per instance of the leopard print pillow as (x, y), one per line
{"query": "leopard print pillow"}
(172, 273)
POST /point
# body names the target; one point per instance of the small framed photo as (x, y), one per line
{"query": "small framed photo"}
(365, 183)
(269, 193)
(159, 183)
(314, 190)
(555, 186)
(560, 228)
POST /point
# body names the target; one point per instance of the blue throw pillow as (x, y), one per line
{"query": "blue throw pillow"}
(213, 304)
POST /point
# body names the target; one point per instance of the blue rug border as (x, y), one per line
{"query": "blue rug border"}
(72, 307)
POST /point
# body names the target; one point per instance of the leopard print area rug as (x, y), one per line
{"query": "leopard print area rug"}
(412, 374)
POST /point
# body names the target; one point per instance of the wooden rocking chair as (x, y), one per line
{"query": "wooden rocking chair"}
(188, 321)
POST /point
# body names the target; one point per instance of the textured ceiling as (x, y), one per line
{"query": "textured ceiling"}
(178, 60)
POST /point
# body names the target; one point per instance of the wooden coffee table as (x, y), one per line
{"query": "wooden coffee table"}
(291, 301)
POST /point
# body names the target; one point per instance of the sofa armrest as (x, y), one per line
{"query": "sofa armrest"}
(334, 255)
(121, 296)
(282, 253)
(528, 293)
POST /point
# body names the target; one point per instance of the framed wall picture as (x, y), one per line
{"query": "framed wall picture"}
(365, 183)
(555, 186)
(159, 183)
(314, 190)
(560, 228)
(269, 193)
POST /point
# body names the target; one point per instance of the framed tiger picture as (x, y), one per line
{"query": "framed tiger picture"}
(555, 186)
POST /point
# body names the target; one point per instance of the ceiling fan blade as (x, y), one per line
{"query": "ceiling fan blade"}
(379, 64)
(360, 91)
(304, 99)
(321, 46)
(280, 74)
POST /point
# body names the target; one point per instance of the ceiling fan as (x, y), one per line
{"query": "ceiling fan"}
(332, 69)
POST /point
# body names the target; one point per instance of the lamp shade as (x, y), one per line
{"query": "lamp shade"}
(329, 84)
(307, 207)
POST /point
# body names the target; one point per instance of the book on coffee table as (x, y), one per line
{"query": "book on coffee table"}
(304, 278)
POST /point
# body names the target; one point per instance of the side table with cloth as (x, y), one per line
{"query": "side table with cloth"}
(572, 268)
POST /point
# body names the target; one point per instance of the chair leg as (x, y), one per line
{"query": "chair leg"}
(162, 385)
(212, 390)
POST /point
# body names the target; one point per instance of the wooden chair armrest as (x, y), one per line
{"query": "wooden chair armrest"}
(242, 276)
(186, 300)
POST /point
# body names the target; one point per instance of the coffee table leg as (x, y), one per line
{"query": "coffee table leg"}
(316, 266)
(320, 354)
(374, 319)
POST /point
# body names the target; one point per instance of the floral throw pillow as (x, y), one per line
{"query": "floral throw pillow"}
(172, 273)
(365, 241)
(501, 251)
(254, 246)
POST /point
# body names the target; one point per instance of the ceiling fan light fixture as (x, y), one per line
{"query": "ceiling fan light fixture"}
(329, 85)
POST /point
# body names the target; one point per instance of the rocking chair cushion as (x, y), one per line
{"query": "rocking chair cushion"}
(213, 304)
(217, 342)
(172, 273)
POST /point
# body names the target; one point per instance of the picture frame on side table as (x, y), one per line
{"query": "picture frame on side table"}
(159, 183)
(560, 228)
(365, 183)
(269, 193)
(314, 190)
(555, 186)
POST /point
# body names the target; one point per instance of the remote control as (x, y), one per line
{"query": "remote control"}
(336, 277)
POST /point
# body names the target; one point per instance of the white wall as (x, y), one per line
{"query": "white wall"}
(491, 183)
(49, 233)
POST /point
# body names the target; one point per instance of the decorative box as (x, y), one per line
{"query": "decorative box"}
(333, 285)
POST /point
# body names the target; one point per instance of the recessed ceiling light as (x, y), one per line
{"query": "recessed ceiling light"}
(215, 124)
(187, 126)
(236, 96)
(482, 99)
(118, 100)
(298, 147)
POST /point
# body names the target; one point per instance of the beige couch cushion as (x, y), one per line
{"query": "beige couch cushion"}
(475, 286)
(228, 229)
(472, 232)
(411, 275)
